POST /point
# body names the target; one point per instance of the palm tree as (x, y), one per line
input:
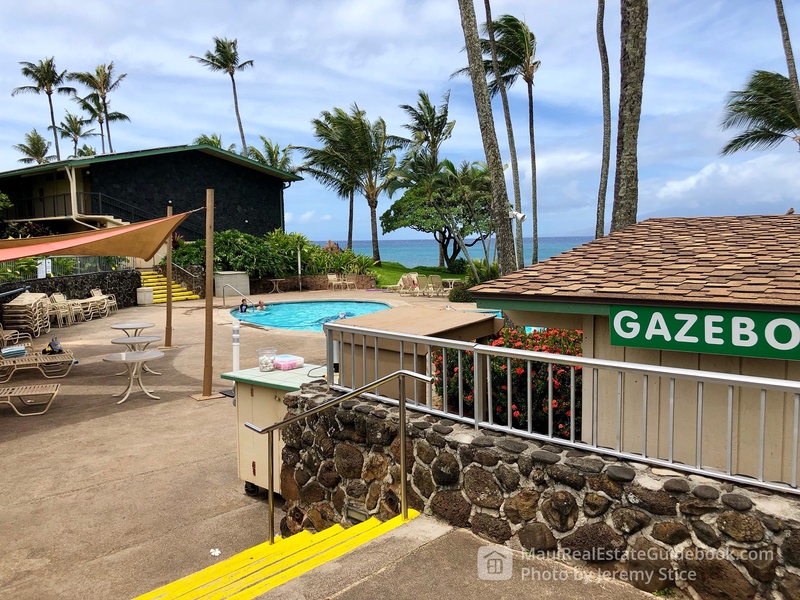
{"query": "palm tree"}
(72, 128)
(633, 35)
(766, 109)
(86, 150)
(331, 164)
(101, 83)
(428, 125)
(513, 56)
(273, 155)
(225, 57)
(512, 146)
(35, 149)
(787, 50)
(483, 106)
(47, 79)
(600, 227)
(215, 141)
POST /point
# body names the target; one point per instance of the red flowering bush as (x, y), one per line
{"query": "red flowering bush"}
(553, 341)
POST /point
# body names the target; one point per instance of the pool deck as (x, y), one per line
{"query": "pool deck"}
(111, 501)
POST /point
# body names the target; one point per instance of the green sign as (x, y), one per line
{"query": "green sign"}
(707, 331)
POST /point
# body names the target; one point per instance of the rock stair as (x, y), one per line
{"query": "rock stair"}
(158, 282)
(247, 575)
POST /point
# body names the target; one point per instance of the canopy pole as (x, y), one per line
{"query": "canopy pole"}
(208, 363)
(168, 331)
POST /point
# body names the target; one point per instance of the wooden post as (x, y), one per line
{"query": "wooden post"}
(168, 331)
(209, 354)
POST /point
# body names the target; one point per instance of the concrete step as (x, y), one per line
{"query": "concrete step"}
(261, 568)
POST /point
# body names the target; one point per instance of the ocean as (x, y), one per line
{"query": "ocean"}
(425, 252)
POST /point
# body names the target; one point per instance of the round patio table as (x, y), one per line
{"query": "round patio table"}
(133, 361)
(137, 344)
(134, 326)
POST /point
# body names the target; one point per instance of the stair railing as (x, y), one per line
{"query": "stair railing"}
(400, 376)
(189, 273)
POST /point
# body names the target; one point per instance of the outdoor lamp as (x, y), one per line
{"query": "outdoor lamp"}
(512, 214)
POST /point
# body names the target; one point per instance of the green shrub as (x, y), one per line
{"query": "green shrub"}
(458, 267)
(459, 293)
(486, 272)
(553, 341)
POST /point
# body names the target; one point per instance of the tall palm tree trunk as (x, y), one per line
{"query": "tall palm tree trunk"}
(787, 50)
(108, 126)
(102, 136)
(53, 123)
(512, 147)
(350, 221)
(600, 228)
(373, 217)
(483, 106)
(633, 34)
(238, 118)
(534, 201)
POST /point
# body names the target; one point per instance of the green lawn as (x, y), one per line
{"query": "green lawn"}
(389, 273)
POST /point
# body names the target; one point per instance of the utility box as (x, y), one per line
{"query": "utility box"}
(144, 296)
(259, 400)
(239, 283)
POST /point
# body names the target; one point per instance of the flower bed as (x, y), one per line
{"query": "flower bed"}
(511, 379)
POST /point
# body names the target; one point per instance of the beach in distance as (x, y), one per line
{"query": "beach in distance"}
(425, 252)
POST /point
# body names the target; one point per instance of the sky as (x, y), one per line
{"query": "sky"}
(313, 55)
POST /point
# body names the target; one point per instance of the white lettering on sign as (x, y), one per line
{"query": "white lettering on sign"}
(657, 326)
(711, 330)
(725, 332)
(794, 334)
(629, 329)
(688, 322)
(743, 332)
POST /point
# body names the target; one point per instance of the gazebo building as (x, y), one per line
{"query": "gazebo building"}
(711, 294)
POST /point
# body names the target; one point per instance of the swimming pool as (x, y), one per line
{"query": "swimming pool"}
(307, 316)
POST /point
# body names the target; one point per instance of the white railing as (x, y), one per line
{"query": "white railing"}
(734, 427)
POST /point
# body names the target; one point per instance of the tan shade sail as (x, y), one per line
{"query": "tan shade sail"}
(141, 240)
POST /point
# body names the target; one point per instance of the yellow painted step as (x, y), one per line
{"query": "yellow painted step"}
(259, 569)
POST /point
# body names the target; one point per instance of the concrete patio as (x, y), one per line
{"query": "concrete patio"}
(111, 501)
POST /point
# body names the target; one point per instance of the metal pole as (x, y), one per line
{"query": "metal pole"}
(209, 337)
(403, 499)
(270, 478)
(168, 329)
(235, 344)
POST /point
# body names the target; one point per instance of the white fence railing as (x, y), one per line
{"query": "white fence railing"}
(734, 427)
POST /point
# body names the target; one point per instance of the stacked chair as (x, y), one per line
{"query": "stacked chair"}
(32, 317)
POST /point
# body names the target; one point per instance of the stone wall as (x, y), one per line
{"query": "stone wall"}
(122, 284)
(654, 527)
(310, 283)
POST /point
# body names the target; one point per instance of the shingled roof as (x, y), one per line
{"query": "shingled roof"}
(723, 261)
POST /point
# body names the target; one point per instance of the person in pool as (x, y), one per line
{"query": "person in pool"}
(260, 305)
(243, 306)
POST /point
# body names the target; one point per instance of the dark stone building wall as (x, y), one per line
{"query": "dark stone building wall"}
(244, 199)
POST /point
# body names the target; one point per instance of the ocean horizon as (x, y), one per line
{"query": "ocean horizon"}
(425, 252)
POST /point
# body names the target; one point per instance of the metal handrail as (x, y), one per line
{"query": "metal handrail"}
(189, 273)
(228, 285)
(326, 405)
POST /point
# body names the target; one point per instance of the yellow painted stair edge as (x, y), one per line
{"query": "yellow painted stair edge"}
(264, 567)
(314, 561)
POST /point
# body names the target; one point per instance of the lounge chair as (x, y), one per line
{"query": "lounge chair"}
(11, 337)
(397, 286)
(408, 285)
(334, 282)
(423, 289)
(436, 285)
(350, 282)
(49, 365)
(111, 299)
(30, 395)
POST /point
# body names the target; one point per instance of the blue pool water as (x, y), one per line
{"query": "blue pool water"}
(307, 316)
